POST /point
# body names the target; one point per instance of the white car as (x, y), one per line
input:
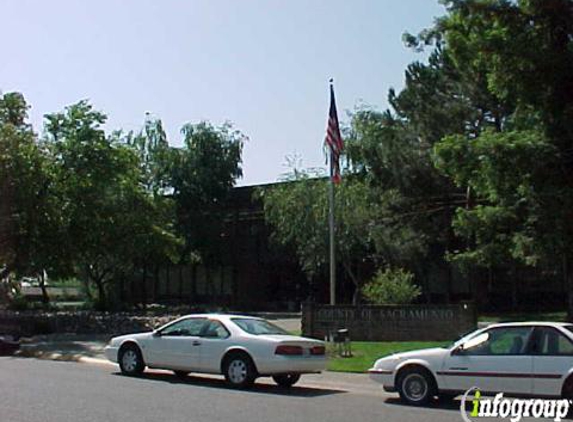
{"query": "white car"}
(525, 359)
(241, 348)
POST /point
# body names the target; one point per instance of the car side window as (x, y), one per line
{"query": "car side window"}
(215, 329)
(186, 327)
(550, 342)
(500, 342)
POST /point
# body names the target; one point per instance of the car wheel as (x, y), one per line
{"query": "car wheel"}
(567, 391)
(181, 374)
(130, 360)
(239, 370)
(416, 386)
(286, 380)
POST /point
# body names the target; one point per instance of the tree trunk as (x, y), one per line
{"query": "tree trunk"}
(42, 280)
(514, 288)
(569, 294)
(144, 288)
(101, 291)
(357, 293)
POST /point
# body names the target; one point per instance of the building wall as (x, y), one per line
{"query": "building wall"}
(255, 274)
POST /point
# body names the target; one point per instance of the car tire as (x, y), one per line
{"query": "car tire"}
(567, 390)
(181, 374)
(416, 386)
(239, 370)
(286, 380)
(130, 360)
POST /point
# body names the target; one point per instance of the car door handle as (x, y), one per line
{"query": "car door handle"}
(458, 369)
(196, 343)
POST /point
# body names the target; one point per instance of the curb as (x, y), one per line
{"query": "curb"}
(62, 357)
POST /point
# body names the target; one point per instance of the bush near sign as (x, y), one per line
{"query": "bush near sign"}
(390, 322)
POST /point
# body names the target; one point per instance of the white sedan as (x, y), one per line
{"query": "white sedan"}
(241, 348)
(521, 359)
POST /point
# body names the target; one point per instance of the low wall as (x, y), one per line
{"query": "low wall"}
(33, 323)
(390, 323)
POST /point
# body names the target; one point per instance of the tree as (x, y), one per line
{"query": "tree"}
(203, 173)
(521, 172)
(109, 217)
(298, 212)
(162, 244)
(391, 287)
(28, 215)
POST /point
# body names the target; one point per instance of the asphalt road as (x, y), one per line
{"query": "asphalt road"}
(44, 391)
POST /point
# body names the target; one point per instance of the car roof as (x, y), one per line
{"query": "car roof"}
(220, 316)
(529, 323)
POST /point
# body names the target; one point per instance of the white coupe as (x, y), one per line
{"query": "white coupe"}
(520, 359)
(241, 348)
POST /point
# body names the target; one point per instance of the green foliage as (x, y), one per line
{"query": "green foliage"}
(518, 174)
(391, 287)
(114, 215)
(19, 303)
(81, 203)
(28, 213)
(298, 212)
(203, 174)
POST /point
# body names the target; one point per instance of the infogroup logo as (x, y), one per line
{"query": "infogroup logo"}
(512, 409)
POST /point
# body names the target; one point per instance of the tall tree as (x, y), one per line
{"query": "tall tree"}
(28, 215)
(203, 173)
(521, 172)
(297, 210)
(110, 217)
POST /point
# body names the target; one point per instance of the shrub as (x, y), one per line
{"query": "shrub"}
(391, 286)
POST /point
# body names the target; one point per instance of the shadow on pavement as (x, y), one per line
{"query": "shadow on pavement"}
(63, 351)
(221, 384)
(450, 404)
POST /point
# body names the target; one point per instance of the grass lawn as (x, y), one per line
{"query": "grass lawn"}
(524, 316)
(364, 353)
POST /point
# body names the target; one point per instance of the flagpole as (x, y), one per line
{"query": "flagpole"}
(331, 225)
(331, 231)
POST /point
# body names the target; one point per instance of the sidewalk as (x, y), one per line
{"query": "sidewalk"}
(67, 347)
(89, 349)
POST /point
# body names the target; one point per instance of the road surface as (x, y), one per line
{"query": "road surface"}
(34, 390)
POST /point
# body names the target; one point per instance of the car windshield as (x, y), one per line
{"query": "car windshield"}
(464, 338)
(258, 326)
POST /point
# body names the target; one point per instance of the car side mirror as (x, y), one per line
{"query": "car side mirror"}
(458, 350)
(156, 334)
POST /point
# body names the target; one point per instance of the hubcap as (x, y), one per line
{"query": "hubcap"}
(415, 387)
(129, 360)
(237, 371)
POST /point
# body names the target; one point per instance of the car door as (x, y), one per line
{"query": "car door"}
(552, 360)
(215, 339)
(177, 345)
(494, 361)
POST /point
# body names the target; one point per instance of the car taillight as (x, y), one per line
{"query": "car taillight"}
(288, 350)
(317, 350)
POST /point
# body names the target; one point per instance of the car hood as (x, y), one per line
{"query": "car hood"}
(421, 354)
(138, 336)
(431, 356)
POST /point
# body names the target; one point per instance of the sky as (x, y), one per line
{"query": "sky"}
(263, 65)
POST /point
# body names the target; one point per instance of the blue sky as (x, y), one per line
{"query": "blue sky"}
(264, 65)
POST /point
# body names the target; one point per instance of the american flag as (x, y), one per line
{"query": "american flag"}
(333, 139)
